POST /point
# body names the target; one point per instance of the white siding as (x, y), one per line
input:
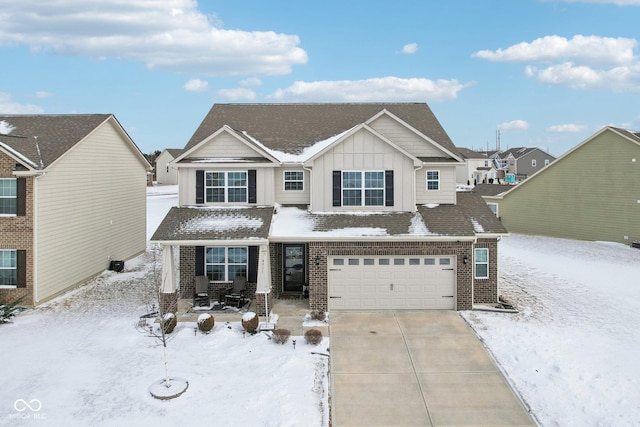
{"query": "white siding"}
(164, 176)
(362, 151)
(291, 197)
(225, 146)
(91, 208)
(446, 195)
(405, 138)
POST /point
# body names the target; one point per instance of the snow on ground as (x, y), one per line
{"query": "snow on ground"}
(572, 350)
(82, 360)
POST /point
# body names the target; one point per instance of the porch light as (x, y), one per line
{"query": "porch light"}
(465, 259)
(316, 260)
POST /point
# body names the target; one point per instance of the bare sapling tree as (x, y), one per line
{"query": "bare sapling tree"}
(159, 321)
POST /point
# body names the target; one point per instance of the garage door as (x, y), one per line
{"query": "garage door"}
(392, 282)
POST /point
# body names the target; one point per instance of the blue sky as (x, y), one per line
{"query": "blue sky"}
(546, 73)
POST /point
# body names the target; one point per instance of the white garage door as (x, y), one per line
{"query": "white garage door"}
(392, 282)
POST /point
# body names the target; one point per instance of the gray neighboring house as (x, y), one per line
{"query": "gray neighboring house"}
(166, 175)
(72, 198)
(523, 161)
(351, 205)
(590, 193)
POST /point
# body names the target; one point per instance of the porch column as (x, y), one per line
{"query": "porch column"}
(263, 285)
(168, 295)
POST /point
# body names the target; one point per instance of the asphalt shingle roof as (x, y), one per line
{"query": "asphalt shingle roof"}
(290, 128)
(56, 134)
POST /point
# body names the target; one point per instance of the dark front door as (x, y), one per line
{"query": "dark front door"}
(294, 268)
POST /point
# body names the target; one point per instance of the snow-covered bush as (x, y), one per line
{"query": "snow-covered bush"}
(313, 336)
(318, 315)
(281, 336)
(9, 310)
(206, 322)
(250, 322)
(170, 322)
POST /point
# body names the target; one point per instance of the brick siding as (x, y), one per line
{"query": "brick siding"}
(16, 233)
(486, 290)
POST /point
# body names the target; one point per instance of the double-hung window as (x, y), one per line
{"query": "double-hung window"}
(223, 264)
(8, 268)
(226, 187)
(363, 188)
(293, 180)
(433, 180)
(481, 263)
(8, 196)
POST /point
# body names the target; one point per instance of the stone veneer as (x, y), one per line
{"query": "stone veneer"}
(16, 233)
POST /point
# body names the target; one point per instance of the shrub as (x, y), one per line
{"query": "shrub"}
(318, 315)
(281, 336)
(250, 322)
(206, 322)
(9, 310)
(313, 336)
(170, 322)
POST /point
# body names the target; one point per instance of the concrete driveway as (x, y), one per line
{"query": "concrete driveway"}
(415, 368)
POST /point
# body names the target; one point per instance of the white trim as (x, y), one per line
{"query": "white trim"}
(363, 187)
(476, 263)
(427, 180)
(284, 180)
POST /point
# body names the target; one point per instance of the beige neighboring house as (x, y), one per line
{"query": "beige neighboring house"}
(72, 199)
(590, 193)
(351, 205)
(477, 167)
(166, 175)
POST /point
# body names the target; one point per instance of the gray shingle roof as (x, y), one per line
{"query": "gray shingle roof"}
(56, 134)
(198, 223)
(290, 128)
(491, 189)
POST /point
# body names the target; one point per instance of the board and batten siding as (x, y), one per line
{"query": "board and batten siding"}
(405, 138)
(224, 145)
(362, 151)
(264, 183)
(591, 194)
(291, 197)
(91, 208)
(446, 195)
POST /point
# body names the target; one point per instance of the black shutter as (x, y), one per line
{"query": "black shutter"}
(21, 200)
(388, 188)
(21, 261)
(200, 261)
(252, 276)
(252, 186)
(337, 188)
(199, 187)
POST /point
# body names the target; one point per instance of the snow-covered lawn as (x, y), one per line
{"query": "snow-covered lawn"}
(573, 351)
(81, 361)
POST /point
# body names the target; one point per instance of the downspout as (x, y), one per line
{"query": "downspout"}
(415, 188)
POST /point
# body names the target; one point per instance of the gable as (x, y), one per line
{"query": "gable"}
(224, 145)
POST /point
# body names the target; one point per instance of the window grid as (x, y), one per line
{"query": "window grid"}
(8, 268)
(223, 264)
(293, 180)
(481, 263)
(433, 180)
(356, 184)
(8, 196)
(226, 187)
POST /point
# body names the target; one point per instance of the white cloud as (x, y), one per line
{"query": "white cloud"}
(43, 94)
(514, 125)
(8, 106)
(619, 79)
(251, 82)
(568, 127)
(372, 90)
(237, 94)
(583, 49)
(196, 85)
(410, 48)
(170, 35)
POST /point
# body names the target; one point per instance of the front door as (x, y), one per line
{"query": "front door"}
(294, 268)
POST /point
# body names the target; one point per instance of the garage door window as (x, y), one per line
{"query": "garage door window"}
(338, 261)
(383, 261)
(398, 261)
(445, 261)
(369, 261)
(429, 261)
(482, 263)
(354, 261)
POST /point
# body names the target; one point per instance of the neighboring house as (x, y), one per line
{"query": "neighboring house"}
(521, 161)
(477, 167)
(354, 204)
(72, 198)
(164, 174)
(589, 193)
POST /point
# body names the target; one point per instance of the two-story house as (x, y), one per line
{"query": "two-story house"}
(72, 199)
(478, 168)
(521, 162)
(354, 204)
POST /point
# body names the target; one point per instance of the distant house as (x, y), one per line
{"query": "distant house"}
(352, 204)
(521, 161)
(589, 193)
(165, 174)
(72, 198)
(477, 168)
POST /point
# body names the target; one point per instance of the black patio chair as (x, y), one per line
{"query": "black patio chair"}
(201, 297)
(235, 295)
